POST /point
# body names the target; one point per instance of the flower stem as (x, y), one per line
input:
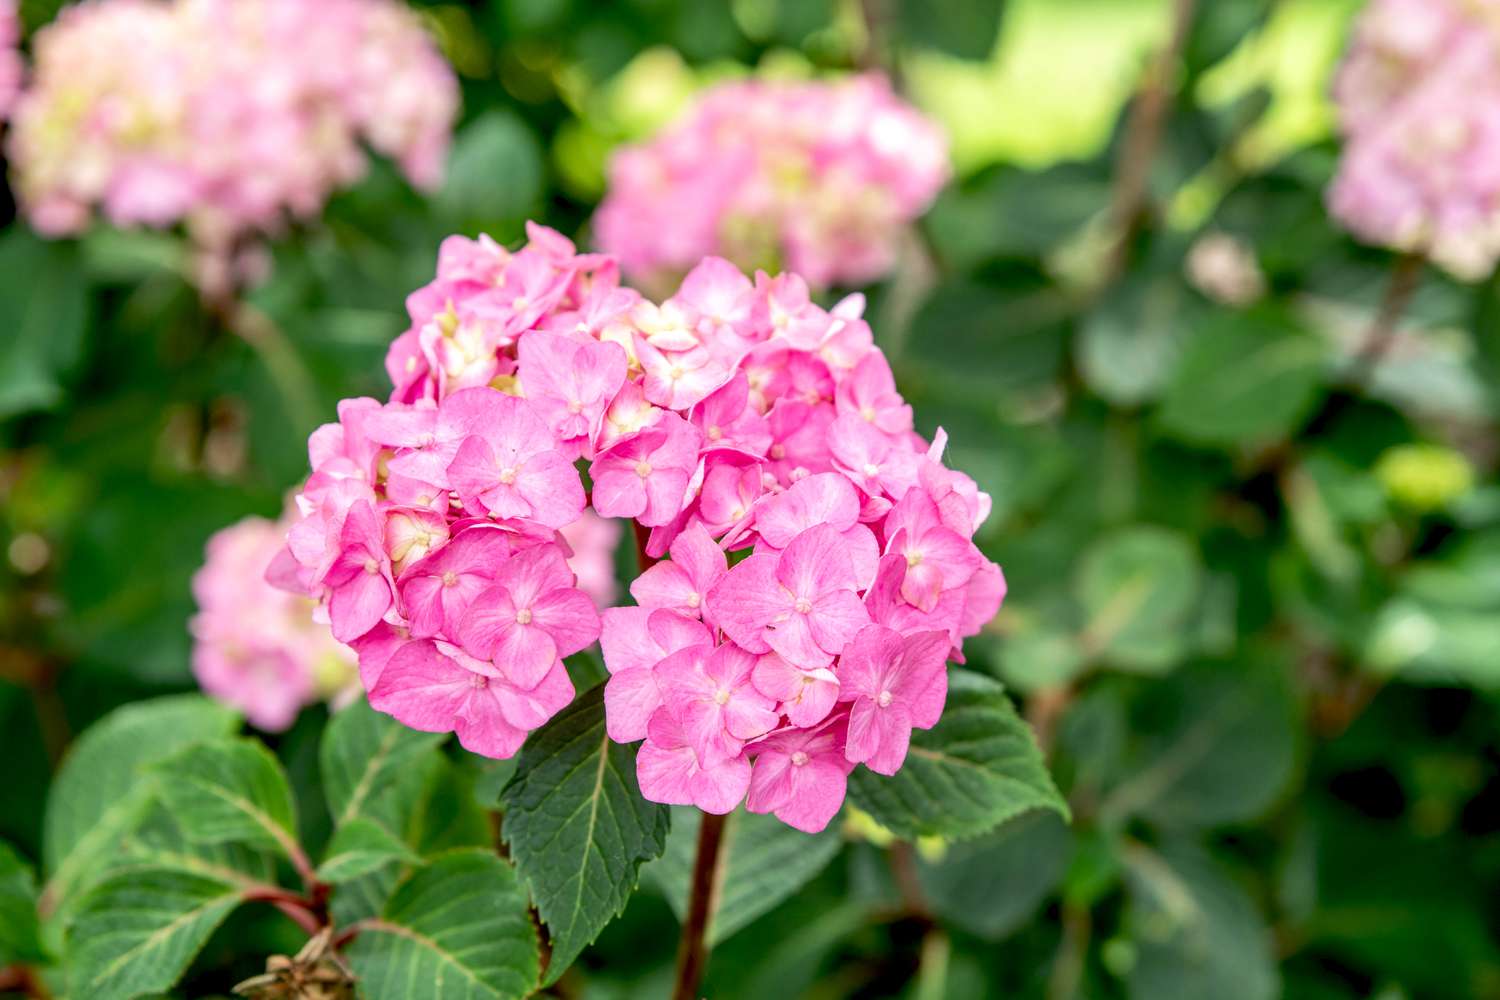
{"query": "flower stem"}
(692, 954)
(643, 561)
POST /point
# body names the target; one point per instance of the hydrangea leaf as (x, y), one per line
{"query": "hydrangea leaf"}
(361, 753)
(101, 791)
(458, 927)
(20, 937)
(763, 861)
(137, 930)
(577, 826)
(228, 792)
(975, 769)
(1246, 377)
(1137, 587)
(359, 847)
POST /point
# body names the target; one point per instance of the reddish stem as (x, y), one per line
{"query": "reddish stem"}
(642, 559)
(692, 954)
(300, 910)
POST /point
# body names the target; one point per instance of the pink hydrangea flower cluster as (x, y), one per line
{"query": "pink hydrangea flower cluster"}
(818, 177)
(737, 421)
(226, 115)
(11, 66)
(1419, 104)
(256, 646)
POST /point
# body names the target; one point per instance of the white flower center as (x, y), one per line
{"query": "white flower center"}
(694, 600)
(871, 469)
(508, 475)
(643, 469)
(721, 696)
(714, 433)
(803, 606)
(523, 617)
(371, 566)
(884, 701)
(799, 758)
(450, 578)
(574, 406)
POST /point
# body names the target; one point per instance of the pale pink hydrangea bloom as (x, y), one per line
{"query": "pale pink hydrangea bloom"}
(228, 116)
(816, 176)
(256, 647)
(1419, 107)
(736, 422)
(12, 69)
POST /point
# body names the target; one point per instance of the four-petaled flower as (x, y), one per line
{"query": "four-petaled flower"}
(896, 683)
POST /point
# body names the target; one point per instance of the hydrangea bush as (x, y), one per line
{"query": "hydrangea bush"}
(819, 177)
(227, 116)
(1419, 104)
(737, 419)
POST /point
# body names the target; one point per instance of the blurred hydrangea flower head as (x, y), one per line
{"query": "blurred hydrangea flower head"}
(256, 646)
(818, 177)
(12, 68)
(821, 567)
(225, 115)
(1419, 106)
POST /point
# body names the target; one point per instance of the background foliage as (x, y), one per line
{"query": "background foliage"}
(1254, 568)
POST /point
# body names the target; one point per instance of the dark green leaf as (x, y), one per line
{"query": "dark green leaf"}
(578, 827)
(978, 767)
(494, 172)
(457, 927)
(992, 884)
(966, 30)
(43, 316)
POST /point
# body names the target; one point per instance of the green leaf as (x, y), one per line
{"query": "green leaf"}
(495, 171)
(1245, 378)
(1217, 745)
(763, 862)
(138, 929)
(978, 767)
(233, 791)
(990, 885)
(578, 827)
(1130, 344)
(458, 927)
(1137, 586)
(43, 320)
(966, 30)
(1196, 933)
(362, 753)
(102, 789)
(20, 936)
(359, 847)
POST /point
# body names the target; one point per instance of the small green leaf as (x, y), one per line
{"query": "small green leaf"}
(20, 939)
(1137, 586)
(978, 767)
(1196, 933)
(137, 930)
(232, 791)
(495, 172)
(44, 306)
(1216, 745)
(763, 861)
(361, 753)
(966, 30)
(101, 790)
(1245, 378)
(360, 847)
(577, 826)
(457, 927)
